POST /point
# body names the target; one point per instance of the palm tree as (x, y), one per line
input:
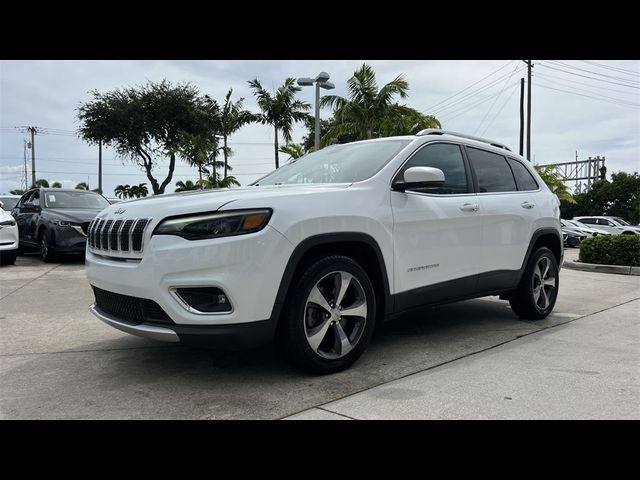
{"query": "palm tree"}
(40, 183)
(138, 191)
(82, 186)
(555, 182)
(56, 185)
(404, 120)
(232, 118)
(363, 113)
(294, 150)
(217, 182)
(185, 186)
(280, 110)
(122, 191)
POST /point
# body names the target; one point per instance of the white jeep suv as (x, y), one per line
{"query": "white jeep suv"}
(320, 250)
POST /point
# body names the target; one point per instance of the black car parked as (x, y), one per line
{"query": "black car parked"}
(55, 220)
(572, 238)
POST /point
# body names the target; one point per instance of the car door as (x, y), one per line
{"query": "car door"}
(436, 230)
(508, 216)
(22, 214)
(32, 214)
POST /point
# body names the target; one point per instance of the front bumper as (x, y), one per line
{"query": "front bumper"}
(248, 268)
(8, 238)
(69, 240)
(240, 336)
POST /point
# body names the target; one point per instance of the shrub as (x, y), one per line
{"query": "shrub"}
(611, 250)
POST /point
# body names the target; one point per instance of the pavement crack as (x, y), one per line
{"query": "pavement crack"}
(29, 282)
(336, 413)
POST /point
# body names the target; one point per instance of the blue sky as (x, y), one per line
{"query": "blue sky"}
(46, 94)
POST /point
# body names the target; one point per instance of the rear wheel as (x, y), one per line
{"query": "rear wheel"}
(46, 248)
(330, 315)
(538, 290)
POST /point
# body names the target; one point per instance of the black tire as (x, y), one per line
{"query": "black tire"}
(529, 301)
(8, 257)
(46, 247)
(297, 315)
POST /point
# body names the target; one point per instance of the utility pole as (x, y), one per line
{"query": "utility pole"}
(33, 131)
(24, 170)
(529, 110)
(521, 116)
(100, 166)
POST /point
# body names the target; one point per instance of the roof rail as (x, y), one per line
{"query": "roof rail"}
(437, 131)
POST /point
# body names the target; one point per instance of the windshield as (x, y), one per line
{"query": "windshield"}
(352, 162)
(79, 199)
(619, 220)
(8, 203)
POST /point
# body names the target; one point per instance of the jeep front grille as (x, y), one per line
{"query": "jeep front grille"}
(121, 237)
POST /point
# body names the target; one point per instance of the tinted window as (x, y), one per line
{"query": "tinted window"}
(492, 170)
(524, 179)
(446, 157)
(588, 221)
(8, 203)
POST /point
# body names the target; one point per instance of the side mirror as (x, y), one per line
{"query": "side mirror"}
(420, 177)
(29, 207)
(1, 204)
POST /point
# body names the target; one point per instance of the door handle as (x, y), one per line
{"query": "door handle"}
(527, 204)
(470, 207)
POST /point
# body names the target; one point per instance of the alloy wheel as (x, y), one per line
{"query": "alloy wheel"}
(335, 315)
(544, 283)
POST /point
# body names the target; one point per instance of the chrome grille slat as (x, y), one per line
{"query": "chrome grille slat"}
(118, 237)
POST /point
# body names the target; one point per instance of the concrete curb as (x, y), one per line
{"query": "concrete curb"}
(593, 267)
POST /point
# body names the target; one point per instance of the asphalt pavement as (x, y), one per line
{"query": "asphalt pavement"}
(473, 359)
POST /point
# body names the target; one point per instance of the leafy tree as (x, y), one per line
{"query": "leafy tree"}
(363, 113)
(404, 120)
(40, 183)
(56, 185)
(232, 118)
(82, 186)
(186, 186)
(619, 197)
(280, 110)
(294, 150)
(17, 191)
(147, 123)
(308, 141)
(555, 182)
(122, 191)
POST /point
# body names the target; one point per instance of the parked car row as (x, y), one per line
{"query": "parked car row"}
(579, 228)
(53, 221)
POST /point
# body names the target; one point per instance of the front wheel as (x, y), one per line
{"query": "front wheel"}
(46, 248)
(330, 315)
(538, 290)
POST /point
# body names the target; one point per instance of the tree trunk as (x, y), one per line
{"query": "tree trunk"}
(275, 128)
(172, 167)
(215, 175)
(200, 175)
(225, 156)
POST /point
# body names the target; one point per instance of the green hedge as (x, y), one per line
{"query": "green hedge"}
(611, 250)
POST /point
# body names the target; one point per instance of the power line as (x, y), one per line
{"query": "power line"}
(473, 93)
(590, 96)
(499, 112)
(467, 108)
(573, 67)
(553, 82)
(473, 84)
(495, 100)
(564, 79)
(586, 76)
(635, 73)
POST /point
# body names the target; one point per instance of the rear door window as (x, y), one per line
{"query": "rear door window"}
(492, 171)
(524, 179)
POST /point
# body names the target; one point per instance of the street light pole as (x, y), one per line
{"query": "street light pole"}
(321, 81)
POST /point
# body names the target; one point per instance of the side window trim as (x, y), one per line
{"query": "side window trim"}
(475, 178)
(471, 185)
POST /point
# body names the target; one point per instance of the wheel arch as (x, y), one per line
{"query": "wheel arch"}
(360, 246)
(544, 237)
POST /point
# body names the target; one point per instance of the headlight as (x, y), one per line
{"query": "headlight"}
(8, 223)
(215, 224)
(64, 223)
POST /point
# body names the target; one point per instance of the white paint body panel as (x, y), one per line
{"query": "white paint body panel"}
(8, 234)
(412, 230)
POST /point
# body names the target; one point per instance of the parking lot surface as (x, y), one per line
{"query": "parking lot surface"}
(59, 362)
